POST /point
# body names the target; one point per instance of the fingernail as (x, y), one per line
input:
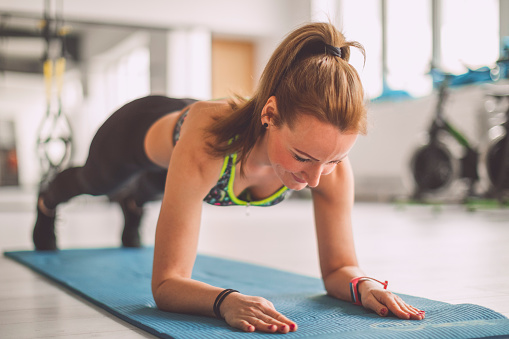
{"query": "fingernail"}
(292, 327)
(383, 311)
(271, 327)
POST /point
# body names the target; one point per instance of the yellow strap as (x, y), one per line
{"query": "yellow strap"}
(48, 77)
(236, 200)
(59, 72)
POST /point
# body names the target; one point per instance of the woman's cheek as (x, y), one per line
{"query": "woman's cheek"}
(290, 164)
(329, 169)
(280, 157)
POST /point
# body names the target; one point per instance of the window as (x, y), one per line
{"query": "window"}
(408, 46)
(360, 20)
(469, 35)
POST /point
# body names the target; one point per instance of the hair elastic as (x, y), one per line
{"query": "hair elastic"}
(332, 50)
(219, 300)
(354, 291)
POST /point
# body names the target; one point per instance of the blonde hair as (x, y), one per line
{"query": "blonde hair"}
(305, 79)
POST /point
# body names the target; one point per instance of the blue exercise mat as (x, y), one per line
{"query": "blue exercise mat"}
(118, 280)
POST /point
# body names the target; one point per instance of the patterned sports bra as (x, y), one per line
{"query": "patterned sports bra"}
(222, 193)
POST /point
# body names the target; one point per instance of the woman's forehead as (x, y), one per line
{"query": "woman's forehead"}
(317, 138)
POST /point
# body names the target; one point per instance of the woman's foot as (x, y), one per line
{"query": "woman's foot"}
(44, 231)
(132, 216)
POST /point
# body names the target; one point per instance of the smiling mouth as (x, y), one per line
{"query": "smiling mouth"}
(301, 181)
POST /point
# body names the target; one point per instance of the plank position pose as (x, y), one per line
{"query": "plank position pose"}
(295, 132)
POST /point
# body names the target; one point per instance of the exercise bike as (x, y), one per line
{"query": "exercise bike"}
(497, 156)
(432, 165)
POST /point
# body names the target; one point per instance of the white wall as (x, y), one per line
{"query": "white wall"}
(260, 17)
(23, 102)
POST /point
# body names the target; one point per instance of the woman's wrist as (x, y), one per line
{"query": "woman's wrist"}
(223, 302)
(362, 285)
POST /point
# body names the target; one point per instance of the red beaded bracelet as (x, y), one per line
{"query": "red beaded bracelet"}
(356, 296)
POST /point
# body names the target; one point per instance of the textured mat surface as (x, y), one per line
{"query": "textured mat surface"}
(118, 280)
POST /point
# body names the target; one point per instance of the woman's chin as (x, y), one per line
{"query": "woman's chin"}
(291, 183)
(295, 186)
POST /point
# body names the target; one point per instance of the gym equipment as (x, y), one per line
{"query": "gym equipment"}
(54, 136)
(497, 156)
(433, 166)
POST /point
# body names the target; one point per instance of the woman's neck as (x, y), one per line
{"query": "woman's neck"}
(257, 159)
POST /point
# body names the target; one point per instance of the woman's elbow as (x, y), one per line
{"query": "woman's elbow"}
(158, 295)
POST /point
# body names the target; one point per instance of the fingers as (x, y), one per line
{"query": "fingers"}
(272, 321)
(375, 305)
(270, 325)
(281, 319)
(257, 325)
(258, 314)
(385, 302)
(406, 311)
(413, 313)
(245, 326)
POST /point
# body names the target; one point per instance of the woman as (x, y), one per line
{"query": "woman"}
(295, 132)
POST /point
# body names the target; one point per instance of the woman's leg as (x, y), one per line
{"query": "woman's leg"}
(148, 186)
(71, 182)
(116, 155)
(65, 185)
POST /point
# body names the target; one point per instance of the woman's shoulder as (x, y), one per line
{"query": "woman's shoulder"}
(210, 109)
(200, 116)
(193, 145)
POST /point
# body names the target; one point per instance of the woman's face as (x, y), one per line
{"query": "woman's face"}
(302, 154)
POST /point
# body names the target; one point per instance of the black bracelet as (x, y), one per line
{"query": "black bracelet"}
(219, 300)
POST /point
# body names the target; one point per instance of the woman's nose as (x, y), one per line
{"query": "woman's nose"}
(312, 175)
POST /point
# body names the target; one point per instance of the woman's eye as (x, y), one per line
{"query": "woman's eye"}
(296, 157)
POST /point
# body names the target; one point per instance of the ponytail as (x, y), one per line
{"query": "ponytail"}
(308, 73)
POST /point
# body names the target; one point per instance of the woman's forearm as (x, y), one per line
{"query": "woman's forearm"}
(185, 295)
(337, 283)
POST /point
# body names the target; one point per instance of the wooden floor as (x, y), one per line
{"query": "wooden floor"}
(446, 254)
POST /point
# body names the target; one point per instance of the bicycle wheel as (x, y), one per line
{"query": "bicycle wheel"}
(494, 162)
(432, 168)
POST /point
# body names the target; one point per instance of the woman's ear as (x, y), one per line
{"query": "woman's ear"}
(269, 111)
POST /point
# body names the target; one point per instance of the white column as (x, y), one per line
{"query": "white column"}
(189, 63)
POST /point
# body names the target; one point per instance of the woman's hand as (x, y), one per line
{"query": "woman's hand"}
(383, 301)
(254, 314)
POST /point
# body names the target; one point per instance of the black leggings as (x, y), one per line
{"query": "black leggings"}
(116, 160)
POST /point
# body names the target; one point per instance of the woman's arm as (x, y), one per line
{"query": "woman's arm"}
(191, 174)
(333, 202)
